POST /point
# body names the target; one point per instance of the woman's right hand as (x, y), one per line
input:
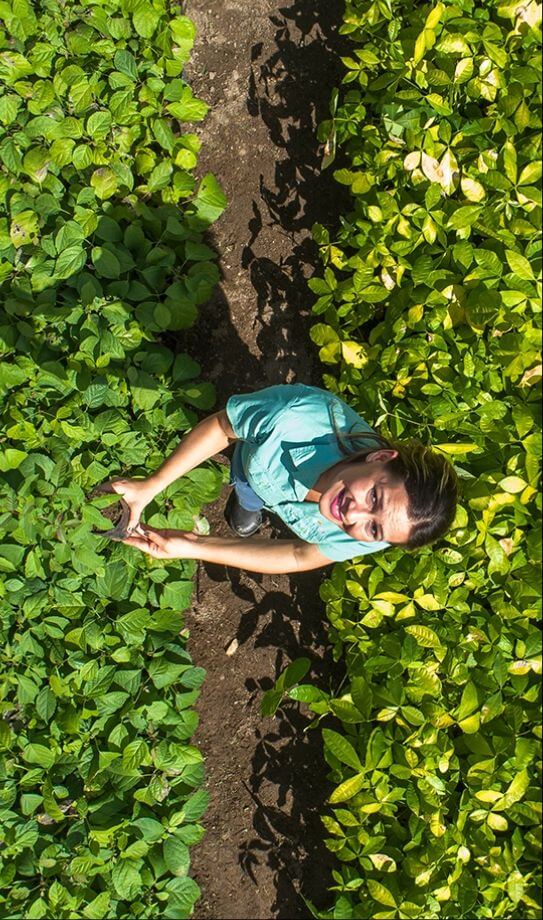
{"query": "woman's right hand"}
(165, 543)
(137, 494)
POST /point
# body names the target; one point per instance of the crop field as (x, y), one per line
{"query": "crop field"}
(102, 258)
(436, 808)
(424, 291)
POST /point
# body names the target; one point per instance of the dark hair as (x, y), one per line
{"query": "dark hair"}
(430, 481)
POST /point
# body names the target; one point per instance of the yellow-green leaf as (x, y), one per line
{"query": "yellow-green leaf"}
(380, 893)
(519, 265)
(348, 788)
(457, 448)
(497, 822)
(471, 724)
(353, 354)
(472, 189)
(488, 795)
(424, 636)
(513, 484)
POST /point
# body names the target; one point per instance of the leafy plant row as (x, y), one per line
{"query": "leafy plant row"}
(429, 314)
(103, 265)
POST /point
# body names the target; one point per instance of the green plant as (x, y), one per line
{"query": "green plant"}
(103, 265)
(430, 307)
(288, 683)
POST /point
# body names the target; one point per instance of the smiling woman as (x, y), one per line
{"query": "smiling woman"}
(366, 500)
(290, 459)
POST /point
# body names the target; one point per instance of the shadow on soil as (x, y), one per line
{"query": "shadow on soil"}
(289, 91)
(288, 757)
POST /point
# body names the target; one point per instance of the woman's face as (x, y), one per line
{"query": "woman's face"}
(365, 500)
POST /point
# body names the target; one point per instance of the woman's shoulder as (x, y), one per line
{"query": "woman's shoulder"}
(327, 405)
(294, 408)
(299, 392)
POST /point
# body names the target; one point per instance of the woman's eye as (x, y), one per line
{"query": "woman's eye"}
(373, 496)
(374, 531)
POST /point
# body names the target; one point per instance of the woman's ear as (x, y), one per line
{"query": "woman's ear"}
(383, 455)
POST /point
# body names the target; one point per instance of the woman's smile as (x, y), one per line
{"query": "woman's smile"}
(336, 505)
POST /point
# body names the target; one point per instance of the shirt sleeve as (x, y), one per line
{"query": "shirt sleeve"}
(347, 548)
(254, 415)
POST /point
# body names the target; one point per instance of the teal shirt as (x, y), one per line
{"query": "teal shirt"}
(288, 441)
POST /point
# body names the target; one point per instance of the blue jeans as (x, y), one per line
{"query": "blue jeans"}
(247, 498)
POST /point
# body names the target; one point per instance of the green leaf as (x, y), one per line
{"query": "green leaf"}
(188, 107)
(125, 62)
(380, 893)
(463, 70)
(70, 261)
(176, 856)
(497, 822)
(489, 261)
(464, 217)
(82, 157)
(105, 262)
(514, 792)
(270, 702)
(306, 693)
(104, 181)
(183, 892)
(46, 704)
(24, 228)
(126, 879)
(469, 702)
(49, 802)
(160, 176)
(293, 673)
(373, 294)
(195, 806)
(362, 696)
(342, 749)
(98, 908)
(9, 106)
(347, 789)
(145, 20)
(39, 754)
(519, 265)
(166, 138)
(108, 230)
(11, 458)
(116, 581)
(530, 174)
(424, 636)
(472, 188)
(210, 200)
(98, 127)
(163, 672)
(345, 710)
(183, 33)
(513, 484)
(482, 306)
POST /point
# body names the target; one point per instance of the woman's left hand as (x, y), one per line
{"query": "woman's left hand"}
(163, 544)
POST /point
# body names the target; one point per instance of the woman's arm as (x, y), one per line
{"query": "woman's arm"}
(271, 557)
(207, 438)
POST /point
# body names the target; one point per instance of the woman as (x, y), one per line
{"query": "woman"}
(304, 454)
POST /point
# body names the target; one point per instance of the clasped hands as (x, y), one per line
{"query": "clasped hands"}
(159, 543)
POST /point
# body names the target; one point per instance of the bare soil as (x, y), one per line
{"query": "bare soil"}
(267, 72)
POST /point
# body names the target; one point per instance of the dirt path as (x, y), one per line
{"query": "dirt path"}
(267, 73)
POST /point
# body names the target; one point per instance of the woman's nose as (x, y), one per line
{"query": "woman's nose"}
(353, 513)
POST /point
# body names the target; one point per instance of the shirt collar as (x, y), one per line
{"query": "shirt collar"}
(308, 461)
